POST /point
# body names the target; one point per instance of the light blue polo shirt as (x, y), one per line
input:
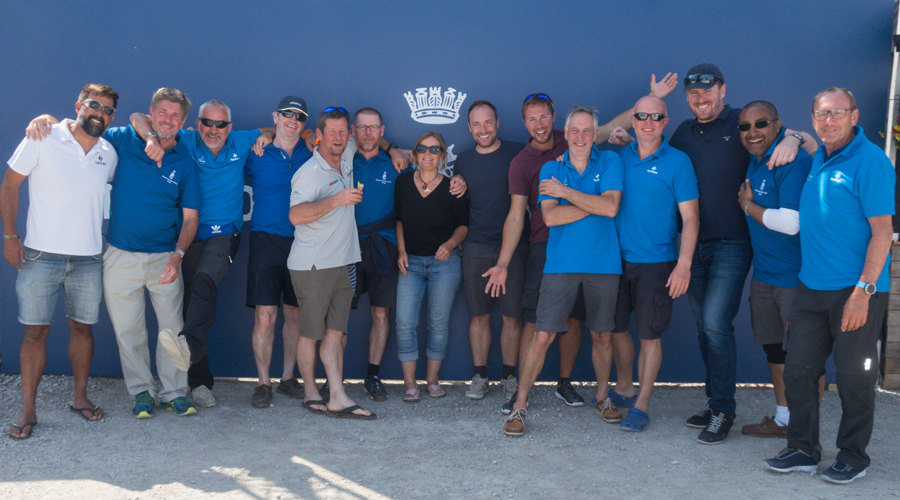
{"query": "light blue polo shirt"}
(146, 201)
(377, 176)
(840, 193)
(222, 176)
(270, 177)
(776, 256)
(648, 215)
(589, 245)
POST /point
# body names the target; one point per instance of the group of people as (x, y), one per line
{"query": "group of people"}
(554, 232)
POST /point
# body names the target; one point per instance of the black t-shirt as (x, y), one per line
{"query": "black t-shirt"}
(720, 162)
(487, 177)
(430, 221)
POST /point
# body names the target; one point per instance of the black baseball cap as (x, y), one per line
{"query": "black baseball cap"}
(292, 102)
(703, 76)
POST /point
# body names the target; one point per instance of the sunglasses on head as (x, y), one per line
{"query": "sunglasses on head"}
(657, 117)
(421, 149)
(702, 78)
(107, 110)
(300, 116)
(759, 124)
(209, 122)
(539, 96)
(331, 109)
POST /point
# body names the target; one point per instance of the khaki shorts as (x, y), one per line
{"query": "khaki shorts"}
(323, 296)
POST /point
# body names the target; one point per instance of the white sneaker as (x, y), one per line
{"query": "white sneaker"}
(510, 386)
(177, 347)
(477, 387)
(203, 397)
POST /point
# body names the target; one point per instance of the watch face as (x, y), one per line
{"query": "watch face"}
(870, 288)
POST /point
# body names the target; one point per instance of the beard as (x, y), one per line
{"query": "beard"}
(91, 127)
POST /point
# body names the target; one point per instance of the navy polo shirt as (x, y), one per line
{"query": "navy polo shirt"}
(146, 201)
(839, 194)
(270, 178)
(589, 245)
(378, 177)
(776, 256)
(648, 214)
(720, 162)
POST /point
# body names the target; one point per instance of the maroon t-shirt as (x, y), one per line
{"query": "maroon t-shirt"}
(525, 179)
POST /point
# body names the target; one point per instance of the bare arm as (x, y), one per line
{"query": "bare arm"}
(681, 276)
(444, 251)
(13, 250)
(188, 231)
(402, 257)
(623, 120)
(856, 309)
(786, 150)
(512, 233)
(556, 215)
(605, 204)
(142, 126)
(311, 211)
(39, 128)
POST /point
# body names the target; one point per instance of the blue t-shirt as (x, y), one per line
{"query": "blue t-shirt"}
(776, 256)
(377, 176)
(589, 245)
(839, 194)
(222, 176)
(146, 201)
(648, 214)
(270, 178)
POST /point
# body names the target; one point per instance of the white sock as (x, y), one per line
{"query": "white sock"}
(782, 415)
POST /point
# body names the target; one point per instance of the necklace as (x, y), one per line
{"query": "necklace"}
(425, 184)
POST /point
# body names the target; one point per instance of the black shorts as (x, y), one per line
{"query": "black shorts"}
(642, 289)
(534, 273)
(268, 279)
(477, 258)
(382, 290)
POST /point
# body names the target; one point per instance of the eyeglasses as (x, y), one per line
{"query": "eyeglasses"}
(759, 124)
(209, 122)
(300, 116)
(331, 109)
(657, 117)
(836, 113)
(540, 96)
(421, 149)
(364, 128)
(702, 78)
(107, 110)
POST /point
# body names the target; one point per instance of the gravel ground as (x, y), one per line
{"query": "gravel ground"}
(439, 448)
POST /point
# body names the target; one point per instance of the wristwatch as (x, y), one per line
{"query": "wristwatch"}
(181, 253)
(799, 138)
(152, 134)
(390, 147)
(868, 287)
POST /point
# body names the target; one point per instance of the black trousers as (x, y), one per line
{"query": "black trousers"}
(814, 332)
(203, 268)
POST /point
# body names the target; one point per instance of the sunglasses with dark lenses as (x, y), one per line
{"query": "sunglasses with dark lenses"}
(421, 149)
(759, 124)
(293, 114)
(331, 109)
(657, 117)
(209, 122)
(107, 110)
(702, 78)
(539, 96)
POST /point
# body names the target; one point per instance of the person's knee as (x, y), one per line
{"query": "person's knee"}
(651, 345)
(602, 339)
(36, 333)
(481, 321)
(511, 322)
(380, 315)
(542, 340)
(80, 329)
(265, 319)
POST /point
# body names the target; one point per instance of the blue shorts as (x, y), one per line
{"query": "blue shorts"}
(41, 276)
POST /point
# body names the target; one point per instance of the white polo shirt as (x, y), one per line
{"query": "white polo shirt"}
(66, 191)
(331, 241)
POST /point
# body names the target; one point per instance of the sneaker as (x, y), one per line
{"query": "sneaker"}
(717, 429)
(842, 473)
(477, 387)
(515, 423)
(143, 405)
(176, 346)
(262, 396)
(180, 405)
(291, 388)
(375, 388)
(508, 406)
(792, 460)
(768, 427)
(607, 411)
(203, 397)
(568, 394)
(510, 386)
(700, 420)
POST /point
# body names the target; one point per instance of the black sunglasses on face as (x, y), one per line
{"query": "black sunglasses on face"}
(209, 122)
(107, 110)
(293, 114)
(541, 96)
(759, 124)
(421, 149)
(702, 78)
(657, 117)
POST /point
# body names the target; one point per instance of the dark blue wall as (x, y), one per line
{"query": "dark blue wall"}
(598, 54)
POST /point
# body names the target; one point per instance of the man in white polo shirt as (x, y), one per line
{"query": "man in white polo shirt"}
(67, 176)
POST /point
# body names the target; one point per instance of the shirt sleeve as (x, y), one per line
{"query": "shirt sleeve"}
(685, 182)
(244, 140)
(115, 136)
(875, 183)
(113, 161)
(303, 186)
(517, 182)
(791, 179)
(613, 177)
(26, 156)
(190, 187)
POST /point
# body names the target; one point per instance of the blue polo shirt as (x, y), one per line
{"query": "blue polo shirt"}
(839, 194)
(146, 201)
(270, 178)
(776, 256)
(377, 176)
(222, 176)
(589, 245)
(648, 215)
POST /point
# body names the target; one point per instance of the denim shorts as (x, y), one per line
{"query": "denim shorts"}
(42, 275)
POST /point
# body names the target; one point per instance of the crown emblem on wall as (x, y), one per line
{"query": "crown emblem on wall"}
(429, 106)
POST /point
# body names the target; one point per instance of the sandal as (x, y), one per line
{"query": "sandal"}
(412, 396)
(435, 391)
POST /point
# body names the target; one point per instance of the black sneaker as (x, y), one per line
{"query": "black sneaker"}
(375, 388)
(792, 460)
(717, 429)
(700, 420)
(507, 407)
(842, 473)
(568, 394)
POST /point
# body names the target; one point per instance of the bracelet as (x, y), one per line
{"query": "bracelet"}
(10, 236)
(746, 212)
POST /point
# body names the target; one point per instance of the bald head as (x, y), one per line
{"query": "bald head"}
(650, 104)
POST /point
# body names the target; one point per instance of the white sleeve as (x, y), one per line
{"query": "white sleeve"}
(26, 156)
(783, 220)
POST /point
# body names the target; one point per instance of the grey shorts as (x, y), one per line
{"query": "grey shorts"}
(477, 258)
(534, 274)
(323, 296)
(770, 307)
(559, 291)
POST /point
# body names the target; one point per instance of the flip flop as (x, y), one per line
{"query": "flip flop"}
(435, 391)
(620, 400)
(22, 428)
(309, 406)
(412, 396)
(348, 413)
(80, 411)
(636, 421)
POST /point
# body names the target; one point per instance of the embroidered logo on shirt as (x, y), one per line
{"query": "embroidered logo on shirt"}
(201, 160)
(235, 157)
(428, 106)
(597, 178)
(762, 188)
(652, 170)
(839, 178)
(171, 178)
(383, 179)
(726, 137)
(99, 161)
(216, 229)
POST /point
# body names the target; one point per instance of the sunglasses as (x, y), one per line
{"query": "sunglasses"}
(837, 114)
(209, 122)
(759, 124)
(300, 116)
(540, 96)
(331, 109)
(657, 117)
(107, 110)
(702, 78)
(421, 149)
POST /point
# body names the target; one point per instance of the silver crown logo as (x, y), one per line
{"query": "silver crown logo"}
(428, 106)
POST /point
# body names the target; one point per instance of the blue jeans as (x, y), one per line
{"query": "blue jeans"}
(41, 276)
(438, 282)
(718, 272)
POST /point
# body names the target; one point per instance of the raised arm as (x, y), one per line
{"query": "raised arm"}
(608, 131)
